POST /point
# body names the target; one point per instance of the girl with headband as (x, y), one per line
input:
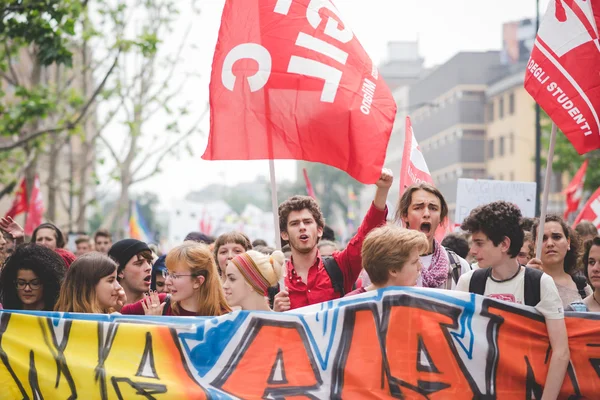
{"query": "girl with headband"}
(249, 276)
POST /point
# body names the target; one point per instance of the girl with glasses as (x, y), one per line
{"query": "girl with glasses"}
(91, 286)
(193, 283)
(31, 278)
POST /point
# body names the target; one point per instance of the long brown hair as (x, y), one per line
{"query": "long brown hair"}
(198, 258)
(78, 291)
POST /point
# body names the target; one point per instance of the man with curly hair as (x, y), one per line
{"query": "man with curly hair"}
(308, 279)
(497, 240)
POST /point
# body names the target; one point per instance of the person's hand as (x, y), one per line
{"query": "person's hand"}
(386, 179)
(121, 300)
(8, 225)
(152, 305)
(536, 263)
(282, 301)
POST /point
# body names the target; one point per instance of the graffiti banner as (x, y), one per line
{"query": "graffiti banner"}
(394, 343)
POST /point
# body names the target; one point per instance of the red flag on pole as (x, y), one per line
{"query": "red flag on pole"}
(36, 208)
(414, 170)
(591, 210)
(291, 81)
(19, 205)
(574, 191)
(562, 73)
(309, 188)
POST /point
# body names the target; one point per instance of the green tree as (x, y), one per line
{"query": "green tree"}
(567, 160)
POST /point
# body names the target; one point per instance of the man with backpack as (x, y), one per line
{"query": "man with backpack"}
(496, 242)
(422, 207)
(310, 278)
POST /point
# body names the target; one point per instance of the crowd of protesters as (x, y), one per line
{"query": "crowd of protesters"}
(206, 276)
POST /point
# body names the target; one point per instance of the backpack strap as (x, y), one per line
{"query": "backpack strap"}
(167, 304)
(455, 266)
(532, 286)
(479, 280)
(335, 274)
(581, 284)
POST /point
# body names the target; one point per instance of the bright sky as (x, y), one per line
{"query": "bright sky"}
(443, 28)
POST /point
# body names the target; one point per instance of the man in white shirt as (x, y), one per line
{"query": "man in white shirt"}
(496, 242)
(422, 207)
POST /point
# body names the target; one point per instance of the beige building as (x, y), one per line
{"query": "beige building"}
(510, 139)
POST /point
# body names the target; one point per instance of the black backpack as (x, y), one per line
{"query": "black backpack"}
(532, 286)
(456, 268)
(581, 284)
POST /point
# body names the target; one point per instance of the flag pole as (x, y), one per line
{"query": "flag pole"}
(274, 204)
(540, 233)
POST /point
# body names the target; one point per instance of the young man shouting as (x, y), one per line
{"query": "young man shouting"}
(422, 208)
(497, 240)
(311, 279)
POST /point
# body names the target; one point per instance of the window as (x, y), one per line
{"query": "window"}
(490, 111)
(501, 108)
(512, 175)
(512, 143)
(491, 149)
(501, 149)
(501, 177)
(511, 104)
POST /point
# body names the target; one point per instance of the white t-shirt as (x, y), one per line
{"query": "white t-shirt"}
(550, 305)
(426, 262)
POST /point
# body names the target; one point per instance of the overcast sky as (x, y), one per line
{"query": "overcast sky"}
(442, 27)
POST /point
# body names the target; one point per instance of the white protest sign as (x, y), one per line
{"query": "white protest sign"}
(472, 193)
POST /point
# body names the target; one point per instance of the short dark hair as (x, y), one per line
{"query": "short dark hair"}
(406, 199)
(199, 237)
(586, 228)
(572, 256)
(457, 243)
(299, 203)
(527, 223)
(46, 264)
(103, 233)
(82, 239)
(497, 220)
(587, 247)
(259, 242)
(328, 234)
(60, 238)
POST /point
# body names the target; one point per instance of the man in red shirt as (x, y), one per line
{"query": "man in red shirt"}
(301, 223)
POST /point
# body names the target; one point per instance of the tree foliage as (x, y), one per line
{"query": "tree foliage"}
(567, 160)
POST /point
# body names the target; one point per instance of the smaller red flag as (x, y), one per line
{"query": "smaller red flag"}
(591, 210)
(19, 205)
(414, 170)
(36, 208)
(309, 188)
(575, 190)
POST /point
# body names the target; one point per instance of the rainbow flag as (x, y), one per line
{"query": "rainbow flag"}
(138, 228)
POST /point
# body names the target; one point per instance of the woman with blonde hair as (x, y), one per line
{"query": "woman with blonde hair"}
(91, 286)
(193, 284)
(248, 278)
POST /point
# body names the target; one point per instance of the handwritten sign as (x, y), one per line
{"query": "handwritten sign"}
(472, 193)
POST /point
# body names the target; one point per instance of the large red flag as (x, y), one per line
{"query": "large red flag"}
(563, 71)
(414, 170)
(291, 81)
(591, 210)
(574, 191)
(19, 205)
(36, 208)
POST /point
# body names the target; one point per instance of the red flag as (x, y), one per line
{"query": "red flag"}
(414, 170)
(291, 81)
(309, 188)
(36, 208)
(562, 73)
(591, 210)
(575, 190)
(19, 205)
